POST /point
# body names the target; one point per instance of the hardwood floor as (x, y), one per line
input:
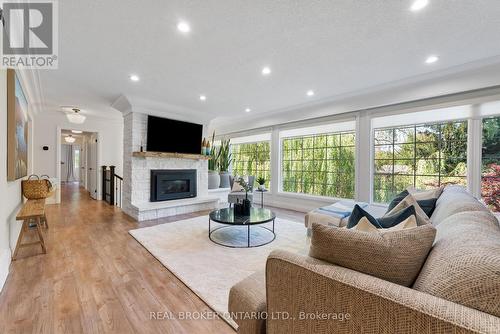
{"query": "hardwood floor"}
(95, 278)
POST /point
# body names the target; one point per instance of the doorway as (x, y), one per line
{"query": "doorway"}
(78, 163)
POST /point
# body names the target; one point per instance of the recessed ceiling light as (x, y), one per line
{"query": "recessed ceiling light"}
(134, 77)
(310, 92)
(76, 131)
(418, 5)
(203, 97)
(248, 110)
(431, 59)
(266, 71)
(183, 27)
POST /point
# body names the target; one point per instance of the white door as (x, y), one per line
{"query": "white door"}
(92, 169)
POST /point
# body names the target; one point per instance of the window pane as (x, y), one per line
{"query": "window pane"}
(317, 163)
(384, 137)
(422, 156)
(490, 177)
(255, 159)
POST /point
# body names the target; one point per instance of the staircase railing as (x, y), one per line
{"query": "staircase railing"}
(112, 186)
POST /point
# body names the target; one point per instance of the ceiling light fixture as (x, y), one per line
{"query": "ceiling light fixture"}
(431, 59)
(183, 27)
(248, 110)
(203, 98)
(76, 131)
(134, 78)
(69, 139)
(266, 71)
(75, 117)
(418, 5)
(310, 92)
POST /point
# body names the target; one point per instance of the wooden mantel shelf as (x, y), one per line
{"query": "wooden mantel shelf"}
(170, 155)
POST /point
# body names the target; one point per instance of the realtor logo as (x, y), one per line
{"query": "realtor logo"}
(29, 37)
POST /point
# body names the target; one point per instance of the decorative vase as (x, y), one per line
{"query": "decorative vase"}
(213, 179)
(246, 207)
(262, 187)
(224, 180)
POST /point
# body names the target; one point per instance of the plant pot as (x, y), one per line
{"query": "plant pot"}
(224, 180)
(213, 179)
(262, 187)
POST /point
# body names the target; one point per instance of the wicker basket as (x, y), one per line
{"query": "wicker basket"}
(36, 188)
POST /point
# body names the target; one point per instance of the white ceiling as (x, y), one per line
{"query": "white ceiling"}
(334, 47)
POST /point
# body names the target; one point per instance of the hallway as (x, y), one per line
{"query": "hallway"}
(95, 278)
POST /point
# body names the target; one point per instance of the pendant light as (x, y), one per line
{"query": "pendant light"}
(75, 117)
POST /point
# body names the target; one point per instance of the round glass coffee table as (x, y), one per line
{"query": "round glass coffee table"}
(241, 225)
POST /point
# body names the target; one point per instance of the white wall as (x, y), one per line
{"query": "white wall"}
(47, 125)
(10, 192)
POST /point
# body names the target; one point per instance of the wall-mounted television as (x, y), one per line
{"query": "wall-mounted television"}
(168, 135)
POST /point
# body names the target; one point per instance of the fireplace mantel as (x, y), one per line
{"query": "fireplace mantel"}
(170, 155)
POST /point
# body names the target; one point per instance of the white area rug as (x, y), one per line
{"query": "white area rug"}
(208, 269)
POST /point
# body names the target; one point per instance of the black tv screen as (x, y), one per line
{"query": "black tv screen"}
(167, 135)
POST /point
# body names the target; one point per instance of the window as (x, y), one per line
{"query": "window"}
(490, 176)
(76, 162)
(252, 159)
(422, 156)
(321, 164)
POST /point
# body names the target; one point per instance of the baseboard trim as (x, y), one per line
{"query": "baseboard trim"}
(5, 260)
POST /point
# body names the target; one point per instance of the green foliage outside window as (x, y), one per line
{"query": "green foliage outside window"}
(252, 159)
(490, 176)
(423, 156)
(321, 165)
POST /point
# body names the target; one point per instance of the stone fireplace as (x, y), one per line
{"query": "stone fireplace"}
(139, 177)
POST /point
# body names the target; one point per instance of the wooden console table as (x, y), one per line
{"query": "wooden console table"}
(32, 209)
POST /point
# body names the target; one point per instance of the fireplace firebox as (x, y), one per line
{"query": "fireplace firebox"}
(169, 184)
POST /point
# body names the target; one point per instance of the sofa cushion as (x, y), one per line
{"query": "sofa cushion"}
(395, 256)
(455, 199)
(249, 297)
(464, 264)
(384, 222)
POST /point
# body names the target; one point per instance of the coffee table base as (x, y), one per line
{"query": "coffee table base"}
(248, 243)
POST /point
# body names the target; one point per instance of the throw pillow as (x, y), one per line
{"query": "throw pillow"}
(364, 225)
(395, 256)
(236, 186)
(384, 222)
(427, 204)
(409, 200)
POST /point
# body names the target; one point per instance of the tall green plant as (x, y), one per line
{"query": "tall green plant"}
(225, 156)
(214, 155)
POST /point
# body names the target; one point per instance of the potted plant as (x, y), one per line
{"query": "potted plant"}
(243, 208)
(262, 183)
(224, 161)
(213, 175)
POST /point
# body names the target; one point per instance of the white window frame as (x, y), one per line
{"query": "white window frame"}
(313, 130)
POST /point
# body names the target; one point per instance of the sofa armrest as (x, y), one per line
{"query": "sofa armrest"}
(306, 295)
(247, 304)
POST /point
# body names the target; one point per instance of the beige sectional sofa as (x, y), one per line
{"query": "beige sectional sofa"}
(456, 291)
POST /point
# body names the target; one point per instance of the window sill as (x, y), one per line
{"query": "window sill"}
(312, 197)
